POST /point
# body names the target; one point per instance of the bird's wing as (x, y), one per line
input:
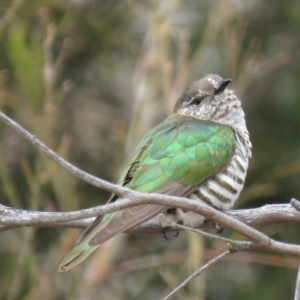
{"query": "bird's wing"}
(174, 158)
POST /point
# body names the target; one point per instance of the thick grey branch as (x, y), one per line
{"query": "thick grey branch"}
(254, 217)
(296, 204)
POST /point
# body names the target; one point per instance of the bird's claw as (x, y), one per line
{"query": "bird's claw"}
(165, 236)
(176, 234)
(218, 227)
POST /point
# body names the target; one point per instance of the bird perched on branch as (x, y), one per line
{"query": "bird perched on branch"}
(201, 152)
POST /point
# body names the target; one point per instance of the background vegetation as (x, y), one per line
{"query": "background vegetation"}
(89, 78)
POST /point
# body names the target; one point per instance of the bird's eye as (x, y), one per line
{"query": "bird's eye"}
(197, 101)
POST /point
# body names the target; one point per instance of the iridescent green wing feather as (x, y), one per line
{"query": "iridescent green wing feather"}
(183, 153)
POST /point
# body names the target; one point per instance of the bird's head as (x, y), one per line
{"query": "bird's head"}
(209, 99)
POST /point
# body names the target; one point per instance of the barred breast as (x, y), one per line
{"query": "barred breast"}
(223, 189)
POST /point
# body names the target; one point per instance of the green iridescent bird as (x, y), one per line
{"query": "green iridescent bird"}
(201, 152)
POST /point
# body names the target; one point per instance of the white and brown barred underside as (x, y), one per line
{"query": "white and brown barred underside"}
(223, 189)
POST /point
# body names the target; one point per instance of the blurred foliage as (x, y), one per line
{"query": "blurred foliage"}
(25, 56)
(89, 78)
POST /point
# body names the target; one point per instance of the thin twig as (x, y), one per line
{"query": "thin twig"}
(234, 245)
(151, 261)
(297, 290)
(197, 273)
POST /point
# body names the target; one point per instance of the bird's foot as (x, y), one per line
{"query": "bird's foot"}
(174, 235)
(218, 227)
(165, 235)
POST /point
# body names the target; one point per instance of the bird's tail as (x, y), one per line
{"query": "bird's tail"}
(83, 247)
(104, 229)
(76, 256)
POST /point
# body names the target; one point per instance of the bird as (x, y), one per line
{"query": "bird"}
(200, 152)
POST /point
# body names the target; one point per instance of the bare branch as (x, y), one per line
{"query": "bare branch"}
(234, 245)
(295, 203)
(255, 217)
(268, 214)
(197, 273)
(297, 290)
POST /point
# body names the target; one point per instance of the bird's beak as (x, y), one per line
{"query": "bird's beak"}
(222, 86)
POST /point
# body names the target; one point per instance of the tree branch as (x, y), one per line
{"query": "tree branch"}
(254, 217)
